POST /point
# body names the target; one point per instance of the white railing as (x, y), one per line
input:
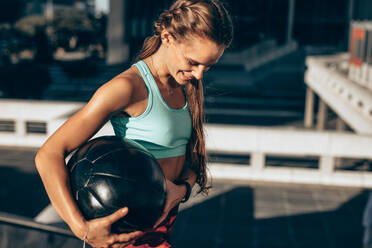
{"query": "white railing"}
(19, 112)
(254, 141)
(48, 114)
(351, 101)
(262, 142)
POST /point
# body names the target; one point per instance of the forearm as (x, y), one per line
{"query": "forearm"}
(52, 170)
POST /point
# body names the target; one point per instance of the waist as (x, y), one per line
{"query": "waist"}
(172, 167)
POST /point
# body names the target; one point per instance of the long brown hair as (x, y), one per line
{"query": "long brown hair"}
(184, 19)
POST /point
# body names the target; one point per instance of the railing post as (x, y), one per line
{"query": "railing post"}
(309, 108)
(326, 164)
(20, 127)
(322, 115)
(257, 161)
(340, 125)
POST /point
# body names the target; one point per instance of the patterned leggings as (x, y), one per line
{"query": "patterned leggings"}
(160, 237)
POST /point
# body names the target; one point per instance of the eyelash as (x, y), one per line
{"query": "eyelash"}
(196, 64)
(192, 63)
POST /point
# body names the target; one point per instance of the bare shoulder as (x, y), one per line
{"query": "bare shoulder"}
(119, 91)
(111, 97)
(129, 78)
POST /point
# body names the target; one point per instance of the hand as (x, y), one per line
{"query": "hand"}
(99, 232)
(175, 193)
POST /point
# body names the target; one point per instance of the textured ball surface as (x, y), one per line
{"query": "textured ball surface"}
(108, 173)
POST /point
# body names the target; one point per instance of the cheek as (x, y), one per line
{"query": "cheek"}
(180, 64)
(177, 64)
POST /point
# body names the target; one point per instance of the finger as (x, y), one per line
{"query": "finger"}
(120, 245)
(125, 237)
(125, 244)
(117, 215)
(161, 219)
(163, 216)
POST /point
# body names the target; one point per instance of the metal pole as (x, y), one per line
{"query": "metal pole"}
(349, 20)
(117, 49)
(28, 224)
(49, 12)
(291, 11)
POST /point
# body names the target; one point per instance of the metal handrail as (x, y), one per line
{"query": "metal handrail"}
(23, 222)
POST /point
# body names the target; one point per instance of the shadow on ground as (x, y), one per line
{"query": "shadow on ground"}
(228, 220)
(21, 192)
(257, 216)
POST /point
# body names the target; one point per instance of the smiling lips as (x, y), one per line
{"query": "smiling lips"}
(187, 77)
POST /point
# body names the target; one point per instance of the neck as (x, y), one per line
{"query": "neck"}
(159, 69)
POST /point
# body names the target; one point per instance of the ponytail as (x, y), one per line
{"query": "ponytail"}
(150, 46)
(196, 152)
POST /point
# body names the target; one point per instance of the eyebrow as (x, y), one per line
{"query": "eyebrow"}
(196, 62)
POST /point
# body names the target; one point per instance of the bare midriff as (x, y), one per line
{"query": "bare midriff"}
(172, 167)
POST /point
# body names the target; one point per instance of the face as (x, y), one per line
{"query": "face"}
(190, 59)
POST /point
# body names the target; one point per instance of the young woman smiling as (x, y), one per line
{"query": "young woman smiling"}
(157, 102)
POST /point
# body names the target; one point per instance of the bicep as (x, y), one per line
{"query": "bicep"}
(86, 122)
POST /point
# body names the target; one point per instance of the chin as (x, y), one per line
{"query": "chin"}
(180, 79)
(183, 81)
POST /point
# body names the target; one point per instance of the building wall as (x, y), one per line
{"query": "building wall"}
(363, 10)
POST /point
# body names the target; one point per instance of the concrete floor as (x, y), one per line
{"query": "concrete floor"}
(248, 214)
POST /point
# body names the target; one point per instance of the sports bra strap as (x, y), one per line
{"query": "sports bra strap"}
(146, 74)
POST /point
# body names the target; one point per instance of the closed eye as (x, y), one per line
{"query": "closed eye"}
(193, 63)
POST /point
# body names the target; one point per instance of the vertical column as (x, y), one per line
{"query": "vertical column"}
(20, 127)
(350, 11)
(309, 108)
(49, 11)
(291, 11)
(340, 125)
(117, 50)
(326, 165)
(258, 161)
(322, 115)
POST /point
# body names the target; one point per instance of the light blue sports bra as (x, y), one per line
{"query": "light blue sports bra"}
(162, 130)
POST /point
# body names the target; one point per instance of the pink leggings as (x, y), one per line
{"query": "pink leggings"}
(159, 237)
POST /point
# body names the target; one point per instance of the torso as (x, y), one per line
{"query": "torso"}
(172, 167)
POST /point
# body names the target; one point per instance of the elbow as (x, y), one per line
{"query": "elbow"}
(48, 158)
(42, 159)
(38, 160)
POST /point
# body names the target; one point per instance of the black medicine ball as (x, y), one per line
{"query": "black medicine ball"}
(108, 173)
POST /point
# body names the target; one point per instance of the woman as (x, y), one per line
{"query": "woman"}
(159, 103)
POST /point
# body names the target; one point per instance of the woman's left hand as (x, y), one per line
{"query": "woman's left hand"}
(175, 193)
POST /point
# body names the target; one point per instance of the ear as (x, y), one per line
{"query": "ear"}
(166, 37)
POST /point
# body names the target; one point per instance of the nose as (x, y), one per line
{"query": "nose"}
(198, 72)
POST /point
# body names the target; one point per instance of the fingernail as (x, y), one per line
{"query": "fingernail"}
(124, 210)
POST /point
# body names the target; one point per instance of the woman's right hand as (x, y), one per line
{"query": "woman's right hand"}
(98, 232)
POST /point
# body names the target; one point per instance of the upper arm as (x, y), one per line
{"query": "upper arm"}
(109, 98)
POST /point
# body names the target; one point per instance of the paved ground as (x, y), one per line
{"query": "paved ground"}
(235, 214)
(273, 215)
